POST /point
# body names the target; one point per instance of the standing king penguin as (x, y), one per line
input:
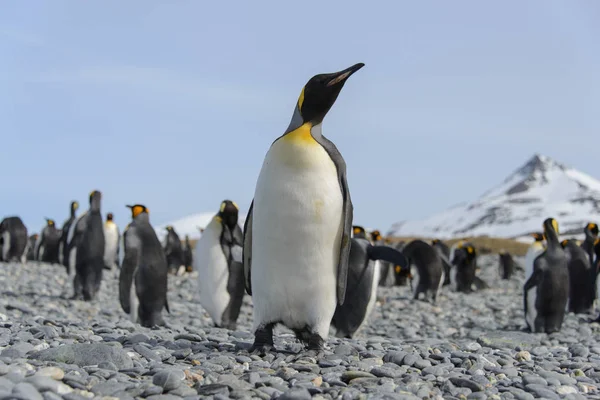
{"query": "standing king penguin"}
(14, 239)
(218, 261)
(187, 254)
(546, 292)
(89, 258)
(536, 248)
(30, 250)
(143, 275)
(426, 269)
(48, 244)
(173, 250)
(297, 234)
(63, 247)
(581, 282)
(111, 237)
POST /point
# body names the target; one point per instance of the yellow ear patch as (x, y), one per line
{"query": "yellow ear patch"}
(137, 210)
(301, 99)
(92, 193)
(222, 207)
(398, 269)
(564, 242)
(555, 225)
(470, 250)
(597, 241)
(235, 205)
(356, 230)
(76, 205)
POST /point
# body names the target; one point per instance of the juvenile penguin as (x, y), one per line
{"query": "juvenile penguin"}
(48, 243)
(359, 232)
(297, 233)
(63, 247)
(361, 289)
(173, 250)
(90, 243)
(581, 278)
(14, 239)
(111, 238)
(546, 292)
(143, 274)
(591, 234)
(536, 248)
(187, 254)
(218, 261)
(507, 265)
(426, 270)
(444, 252)
(30, 249)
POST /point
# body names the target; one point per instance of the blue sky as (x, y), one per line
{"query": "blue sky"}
(174, 104)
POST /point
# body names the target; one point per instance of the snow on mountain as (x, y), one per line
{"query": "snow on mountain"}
(189, 225)
(540, 189)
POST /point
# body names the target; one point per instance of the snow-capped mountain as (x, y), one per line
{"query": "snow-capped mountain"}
(540, 189)
(190, 225)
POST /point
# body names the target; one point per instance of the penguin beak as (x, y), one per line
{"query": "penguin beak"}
(342, 76)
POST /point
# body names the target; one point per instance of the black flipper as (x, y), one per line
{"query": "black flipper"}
(386, 253)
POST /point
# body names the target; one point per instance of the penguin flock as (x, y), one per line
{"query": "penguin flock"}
(298, 255)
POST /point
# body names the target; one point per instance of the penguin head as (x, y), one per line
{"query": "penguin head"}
(376, 236)
(592, 228)
(564, 243)
(137, 209)
(319, 94)
(435, 241)
(50, 222)
(95, 198)
(74, 206)
(551, 229)
(109, 217)
(169, 228)
(229, 212)
(538, 236)
(358, 232)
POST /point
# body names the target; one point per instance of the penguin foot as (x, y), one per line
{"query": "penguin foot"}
(261, 349)
(263, 340)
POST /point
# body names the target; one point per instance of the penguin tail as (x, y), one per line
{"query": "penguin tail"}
(386, 253)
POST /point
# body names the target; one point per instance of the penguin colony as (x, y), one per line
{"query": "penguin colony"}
(298, 255)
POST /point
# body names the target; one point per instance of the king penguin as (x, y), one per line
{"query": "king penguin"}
(536, 248)
(444, 252)
(48, 243)
(582, 285)
(173, 250)
(143, 275)
(14, 239)
(361, 289)
(297, 233)
(89, 259)
(591, 234)
(546, 292)
(111, 238)
(464, 268)
(187, 254)
(506, 264)
(218, 261)
(63, 247)
(426, 269)
(359, 232)
(31, 247)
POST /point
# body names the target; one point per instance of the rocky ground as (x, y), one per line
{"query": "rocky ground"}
(466, 346)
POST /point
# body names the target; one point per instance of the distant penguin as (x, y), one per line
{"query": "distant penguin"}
(464, 268)
(48, 243)
(506, 264)
(63, 248)
(546, 292)
(143, 275)
(402, 275)
(581, 278)
(187, 254)
(218, 260)
(111, 239)
(31, 247)
(591, 234)
(71, 253)
(90, 243)
(386, 270)
(536, 248)
(361, 289)
(173, 250)
(297, 233)
(426, 270)
(359, 232)
(444, 252)
(14, 239)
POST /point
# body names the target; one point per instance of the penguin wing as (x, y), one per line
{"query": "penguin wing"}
(132, 249)
(247, 250)
(386, 253)
(348, 209)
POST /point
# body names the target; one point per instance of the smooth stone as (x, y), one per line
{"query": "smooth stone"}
(84, 354)
(28, 391)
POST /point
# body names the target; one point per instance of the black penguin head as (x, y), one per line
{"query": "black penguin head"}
(320, 92)
(109, 216)
(376, 236)
(564, 243)
(50, 222)
(591, 228)
(435, 241)
(169, 228)
(551, 229)
(229, 212)
(358, 232)
(95, 199)
(137, 209)
(464, 253)
(538, 236)
(74, 206)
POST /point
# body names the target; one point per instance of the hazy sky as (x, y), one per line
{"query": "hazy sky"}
(174, 104)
